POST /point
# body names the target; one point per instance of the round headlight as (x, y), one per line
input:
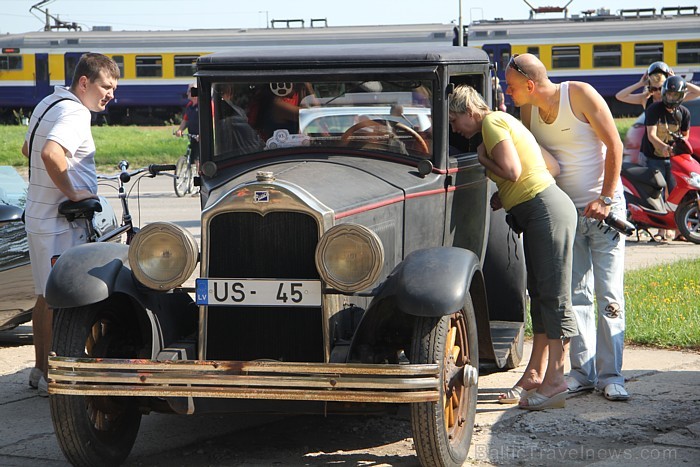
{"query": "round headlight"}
(163, 255)
(349, 257)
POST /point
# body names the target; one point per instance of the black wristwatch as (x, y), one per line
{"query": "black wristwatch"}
(607, 200)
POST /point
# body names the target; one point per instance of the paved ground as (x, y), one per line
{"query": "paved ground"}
(660, 425)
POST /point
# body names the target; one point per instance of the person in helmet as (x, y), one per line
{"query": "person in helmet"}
(651, 82)
(662, 120)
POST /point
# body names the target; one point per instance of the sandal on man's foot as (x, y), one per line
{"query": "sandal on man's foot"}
(615, 392)
(575, 387)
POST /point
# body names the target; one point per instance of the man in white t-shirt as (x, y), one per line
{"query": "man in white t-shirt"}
(61, 167)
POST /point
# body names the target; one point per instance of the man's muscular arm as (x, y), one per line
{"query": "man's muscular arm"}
(587, 103)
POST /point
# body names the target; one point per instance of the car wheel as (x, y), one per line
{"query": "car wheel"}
(442, 430)
(688, 221)
(95, 430)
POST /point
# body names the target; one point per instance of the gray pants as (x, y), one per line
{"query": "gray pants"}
(548, 222)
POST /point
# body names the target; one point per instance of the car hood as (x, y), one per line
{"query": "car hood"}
(343, 184)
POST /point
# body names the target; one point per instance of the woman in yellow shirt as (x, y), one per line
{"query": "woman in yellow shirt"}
(547, 218)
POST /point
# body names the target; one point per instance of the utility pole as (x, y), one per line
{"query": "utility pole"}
(460, 36)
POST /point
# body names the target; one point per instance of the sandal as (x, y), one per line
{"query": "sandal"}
(537, 401)
(659, 239)
(512, 396)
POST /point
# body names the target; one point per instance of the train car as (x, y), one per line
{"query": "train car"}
(609, 51)
(156, 66)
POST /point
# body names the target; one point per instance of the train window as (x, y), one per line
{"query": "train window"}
(607, 55)
(119, 59)
(688, 52)
(10, 62)
(567, 56)
(534, 51)
(149, 66)
(646, 54)
(185, 65)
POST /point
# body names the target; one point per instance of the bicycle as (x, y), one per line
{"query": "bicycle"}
(86, 208)
(184, 171)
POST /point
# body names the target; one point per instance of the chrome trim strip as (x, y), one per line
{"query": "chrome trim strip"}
(244, 380)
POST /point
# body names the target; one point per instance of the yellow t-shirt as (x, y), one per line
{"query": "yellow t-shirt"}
(499, 126)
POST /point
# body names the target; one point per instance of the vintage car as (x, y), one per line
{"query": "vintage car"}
(348, 274)
(16, 284)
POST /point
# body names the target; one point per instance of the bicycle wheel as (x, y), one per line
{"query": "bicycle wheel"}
(183, 176)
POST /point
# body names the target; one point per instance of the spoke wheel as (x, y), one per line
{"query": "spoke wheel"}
(95, 430)
(688, 221)
(183, 176)
(442, 430)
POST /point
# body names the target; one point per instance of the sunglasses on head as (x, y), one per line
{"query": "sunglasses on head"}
(514, 65)
(654, 88)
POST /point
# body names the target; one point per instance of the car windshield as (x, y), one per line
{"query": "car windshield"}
(393, 116)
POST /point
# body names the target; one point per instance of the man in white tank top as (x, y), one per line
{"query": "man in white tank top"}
(61, 155)
(573, 122)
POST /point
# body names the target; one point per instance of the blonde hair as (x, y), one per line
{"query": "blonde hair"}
(657, 79)
(465, 99)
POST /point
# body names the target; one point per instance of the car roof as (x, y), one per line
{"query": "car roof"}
(348, 55)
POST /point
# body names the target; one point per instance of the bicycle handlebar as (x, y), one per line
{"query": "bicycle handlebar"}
(153, 169)
(125, 175)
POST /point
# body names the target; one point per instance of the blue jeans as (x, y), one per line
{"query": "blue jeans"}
(597, 294)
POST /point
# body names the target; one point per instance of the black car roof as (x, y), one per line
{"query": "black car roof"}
(368, 55)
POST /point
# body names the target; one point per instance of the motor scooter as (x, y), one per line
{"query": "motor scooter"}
(646, 206)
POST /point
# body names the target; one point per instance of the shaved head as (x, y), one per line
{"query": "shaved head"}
(532, 66)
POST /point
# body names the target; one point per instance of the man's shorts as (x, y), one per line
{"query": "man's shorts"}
(42, 247)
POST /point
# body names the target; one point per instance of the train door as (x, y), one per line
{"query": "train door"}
(70, 61)
(499, 55)
(42, 78)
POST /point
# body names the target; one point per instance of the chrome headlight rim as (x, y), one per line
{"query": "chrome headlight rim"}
(152, 236)
(366, 239)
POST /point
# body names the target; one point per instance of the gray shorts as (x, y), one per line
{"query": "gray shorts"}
(43, 247)
(549, 227)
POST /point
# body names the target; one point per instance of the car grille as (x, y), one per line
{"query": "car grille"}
(278, 245)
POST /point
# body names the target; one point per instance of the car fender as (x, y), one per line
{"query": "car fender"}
(432, 282)
(90, 273)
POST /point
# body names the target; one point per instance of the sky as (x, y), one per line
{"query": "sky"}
(195, 14)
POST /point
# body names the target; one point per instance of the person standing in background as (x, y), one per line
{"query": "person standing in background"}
(61, 155)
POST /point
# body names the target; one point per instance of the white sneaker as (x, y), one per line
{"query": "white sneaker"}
(43, 387)
(34, 376)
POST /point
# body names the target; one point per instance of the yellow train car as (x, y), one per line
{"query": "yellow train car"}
(608, 51)
(156, 66)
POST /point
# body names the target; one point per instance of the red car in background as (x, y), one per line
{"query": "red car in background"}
(633, 139)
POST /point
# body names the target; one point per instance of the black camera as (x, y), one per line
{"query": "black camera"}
(621, 225)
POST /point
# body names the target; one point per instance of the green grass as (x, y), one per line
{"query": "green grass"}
(662, 306)
(139, 145)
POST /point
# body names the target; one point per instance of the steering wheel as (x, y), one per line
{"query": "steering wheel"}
(381, 123)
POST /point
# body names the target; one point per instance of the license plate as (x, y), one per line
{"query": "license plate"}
(258, 292)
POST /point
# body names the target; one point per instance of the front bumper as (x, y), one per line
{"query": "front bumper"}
(340, 382)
